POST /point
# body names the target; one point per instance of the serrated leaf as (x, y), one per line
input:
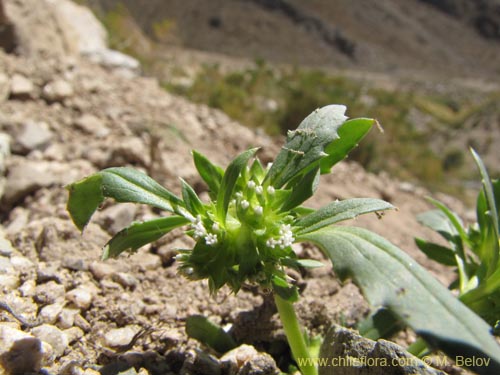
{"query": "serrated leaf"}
(140, 234)
(209, 333)
(305, 146)
(339, 211)
(229, 181)
(441, 254)
(302, 190)
(390, 279)
(209, 172)
(193, 203)
(351, 133)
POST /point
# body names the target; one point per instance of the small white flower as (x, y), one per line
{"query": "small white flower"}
(259, 210)
(239, 194)
(211, 239)
(259, 190)
(270, 190)
(251, 184)
(245, 204)
(271, 243)
(199, 228)
(286, 238)
(215, 227)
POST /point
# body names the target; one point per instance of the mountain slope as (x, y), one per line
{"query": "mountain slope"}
(388, 36)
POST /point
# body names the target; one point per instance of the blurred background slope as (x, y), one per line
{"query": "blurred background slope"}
(427, 69)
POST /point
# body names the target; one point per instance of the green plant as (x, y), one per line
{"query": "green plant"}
(473, 250)
(245, 232)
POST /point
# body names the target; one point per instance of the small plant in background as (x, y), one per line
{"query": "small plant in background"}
(245, 232)
(474, 250)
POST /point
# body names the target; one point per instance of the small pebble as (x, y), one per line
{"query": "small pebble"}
(73, 334)
(119, 337)
(50, 313)
(67, 317)
(80, 297)
(52, 336)
(101, 270)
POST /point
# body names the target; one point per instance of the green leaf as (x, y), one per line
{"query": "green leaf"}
(121, 184)
(350, 133)
(391, 279)
(310, 263)
(306, 263)
(441, 254)
(85, 196)
(453, 219)
(286, 291)
(140, 234)
(306, 145)
(209, 333)
(378, 325)
(229, 181)
(210, 173)
(302, 190)
(489, 191)
(437, 220)
(339, 211)
(191, 199)
(130, 185)
(490, 219)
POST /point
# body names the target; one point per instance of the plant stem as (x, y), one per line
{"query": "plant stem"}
(295, 336)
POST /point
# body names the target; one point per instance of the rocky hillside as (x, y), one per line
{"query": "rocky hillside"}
(67, 111)
(453, 38)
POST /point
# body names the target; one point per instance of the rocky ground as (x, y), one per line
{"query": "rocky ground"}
(63, 118)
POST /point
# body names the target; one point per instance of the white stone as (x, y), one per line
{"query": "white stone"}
(9, 282)
(53, 336)
(74, 334)
(20, 86)
(119, 337)
(33, 136)
(25, 352)
(92, 125)
(67, 317)
(101, 270)
(80, 297)
(50, 313)
(4, 87)
(238, 356)
(57, 91)
(28, 289)
(21, 263)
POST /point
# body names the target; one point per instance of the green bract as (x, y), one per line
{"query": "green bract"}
(244, 234)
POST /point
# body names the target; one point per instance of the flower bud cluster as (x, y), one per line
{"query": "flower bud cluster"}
(250, 244)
